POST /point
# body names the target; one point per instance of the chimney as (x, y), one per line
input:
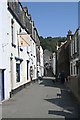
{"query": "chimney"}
(69, 35)
(26, 9)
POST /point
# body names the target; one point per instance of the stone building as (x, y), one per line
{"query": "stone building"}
(74, 80)
(48, 59)
(63, 57)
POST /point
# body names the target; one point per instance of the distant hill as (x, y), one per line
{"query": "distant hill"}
(50, 43)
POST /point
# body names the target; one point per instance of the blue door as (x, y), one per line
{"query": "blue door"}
(2, 84)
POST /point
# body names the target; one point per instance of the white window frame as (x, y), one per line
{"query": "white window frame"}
(74, 69)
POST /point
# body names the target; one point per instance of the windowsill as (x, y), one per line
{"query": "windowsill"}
(13, 45)
(74, 75)
(17, 82)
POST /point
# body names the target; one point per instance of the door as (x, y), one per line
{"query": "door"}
(11, 73)
(1, 84)
(27, 70)
(17, 72)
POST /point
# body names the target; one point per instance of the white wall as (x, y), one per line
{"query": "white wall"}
(41, 62)
(4, 46)
(7, 50)
(54, 63)
(34, 62)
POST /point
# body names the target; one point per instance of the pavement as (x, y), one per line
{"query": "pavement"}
(45, 99)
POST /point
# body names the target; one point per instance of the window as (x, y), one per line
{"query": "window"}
(12, 22)
(71, 70)
(74, 70)
(71, 48)
(17, 72)
(18, 8)
(75, 44)
(13, 32)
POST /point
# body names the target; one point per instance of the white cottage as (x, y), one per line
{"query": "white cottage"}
(17, 48)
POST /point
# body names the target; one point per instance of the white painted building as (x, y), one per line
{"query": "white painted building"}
(41, 62)
(74, 78)
(4, 53)
(74, 54)
(17, 50)
(54, 63)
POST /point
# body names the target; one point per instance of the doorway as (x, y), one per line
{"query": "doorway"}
(27, 69)
(2, 85)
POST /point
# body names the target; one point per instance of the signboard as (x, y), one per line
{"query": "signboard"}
(24, 39)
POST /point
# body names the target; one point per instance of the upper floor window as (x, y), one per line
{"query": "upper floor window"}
(18, 8)
(13, 32)
(71, 48)
(75, 44)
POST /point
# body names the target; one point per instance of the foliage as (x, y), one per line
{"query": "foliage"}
(50, 43)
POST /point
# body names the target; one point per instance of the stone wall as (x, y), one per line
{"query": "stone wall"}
(74, 87)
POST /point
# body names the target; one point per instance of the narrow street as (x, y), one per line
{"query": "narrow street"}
(44, 100)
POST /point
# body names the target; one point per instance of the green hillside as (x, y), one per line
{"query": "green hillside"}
(50, 43)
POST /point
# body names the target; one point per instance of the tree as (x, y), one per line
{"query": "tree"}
(50, 43)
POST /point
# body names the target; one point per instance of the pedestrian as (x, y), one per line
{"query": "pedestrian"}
(62, 77)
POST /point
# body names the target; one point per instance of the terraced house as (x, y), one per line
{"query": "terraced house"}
(18, 48)
(74, 82)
